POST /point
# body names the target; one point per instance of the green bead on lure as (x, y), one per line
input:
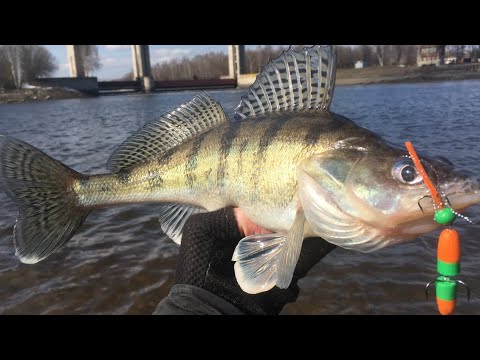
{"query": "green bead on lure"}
(445, 216)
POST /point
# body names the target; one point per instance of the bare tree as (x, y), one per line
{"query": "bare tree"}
(207, 66)
(397, 53)
(475, 52)
(345, 57)
(400, 54)
(410, 55)
(4, 70)
(383, 55)
(380, 53)
(37, 61)
(89, 59)
(20, 63)
(13, 55)
(259, 57)
(457, 51)
(366, 54)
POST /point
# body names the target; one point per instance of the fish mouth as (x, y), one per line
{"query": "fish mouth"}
(463, 194)
(460, 196)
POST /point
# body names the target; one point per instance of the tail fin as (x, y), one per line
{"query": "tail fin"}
(48, 213)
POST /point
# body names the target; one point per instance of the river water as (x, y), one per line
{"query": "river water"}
(120, 263)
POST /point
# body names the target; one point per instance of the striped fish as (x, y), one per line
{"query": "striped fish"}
(294, 167)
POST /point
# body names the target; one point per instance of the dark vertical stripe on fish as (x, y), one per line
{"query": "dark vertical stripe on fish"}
(313, 134)
(225, 147)
(123, 177)
(192, 160)
(166, 157)
(267, 138)
(315, 131)
(241, 151)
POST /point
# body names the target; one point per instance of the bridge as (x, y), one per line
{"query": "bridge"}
(142, 72)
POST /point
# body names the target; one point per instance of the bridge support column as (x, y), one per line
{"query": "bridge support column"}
(241, 59)
(441, 54)
(231, 61)
(76, 66)
(141, 66)
(236, 60)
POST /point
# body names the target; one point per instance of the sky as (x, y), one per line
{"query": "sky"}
(117, 59)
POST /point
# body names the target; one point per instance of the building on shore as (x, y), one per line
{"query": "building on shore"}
(430, 55)
(360, 64)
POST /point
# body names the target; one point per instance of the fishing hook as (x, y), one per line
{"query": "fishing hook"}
(420, 206)
(466, 287)
(427, 287)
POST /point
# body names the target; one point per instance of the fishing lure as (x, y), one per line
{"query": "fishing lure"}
(448, 253)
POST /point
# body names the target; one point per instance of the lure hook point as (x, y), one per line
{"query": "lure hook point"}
(466, 287)
(427, 287)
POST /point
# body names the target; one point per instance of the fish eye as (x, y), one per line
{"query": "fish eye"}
(405, 172)
(408, 173)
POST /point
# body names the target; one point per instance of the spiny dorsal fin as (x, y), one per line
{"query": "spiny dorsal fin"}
(295, 81)
(202, 113)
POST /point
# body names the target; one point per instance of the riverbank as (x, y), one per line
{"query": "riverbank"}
(366, 76)
(38, 94)
(395, 74)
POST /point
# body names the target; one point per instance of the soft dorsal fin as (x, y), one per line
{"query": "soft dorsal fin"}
(202, 113)
(294, 81)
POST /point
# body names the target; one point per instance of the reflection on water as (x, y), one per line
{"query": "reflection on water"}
(120, 263)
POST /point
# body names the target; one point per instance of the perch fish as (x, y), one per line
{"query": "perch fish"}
(293, 166)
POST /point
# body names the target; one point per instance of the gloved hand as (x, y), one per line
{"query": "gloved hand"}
(208, 243)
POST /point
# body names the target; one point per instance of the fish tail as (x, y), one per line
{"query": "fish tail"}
(49, 213)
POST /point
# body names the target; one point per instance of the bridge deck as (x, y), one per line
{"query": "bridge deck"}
(133, 86)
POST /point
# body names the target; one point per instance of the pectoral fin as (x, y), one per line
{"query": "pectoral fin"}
(256, 259)
(263, 261)
(291, 251)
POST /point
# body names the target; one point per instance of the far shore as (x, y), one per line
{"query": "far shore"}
(38, 94)
(365, 76)
(410, 74)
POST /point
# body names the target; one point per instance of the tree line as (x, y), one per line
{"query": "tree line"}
(376, 55)
(20, 64)
(460, 51)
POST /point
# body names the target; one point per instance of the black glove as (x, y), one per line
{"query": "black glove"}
(208, 243)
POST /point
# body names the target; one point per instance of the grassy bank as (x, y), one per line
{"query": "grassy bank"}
(37, 94)
(395, 74)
